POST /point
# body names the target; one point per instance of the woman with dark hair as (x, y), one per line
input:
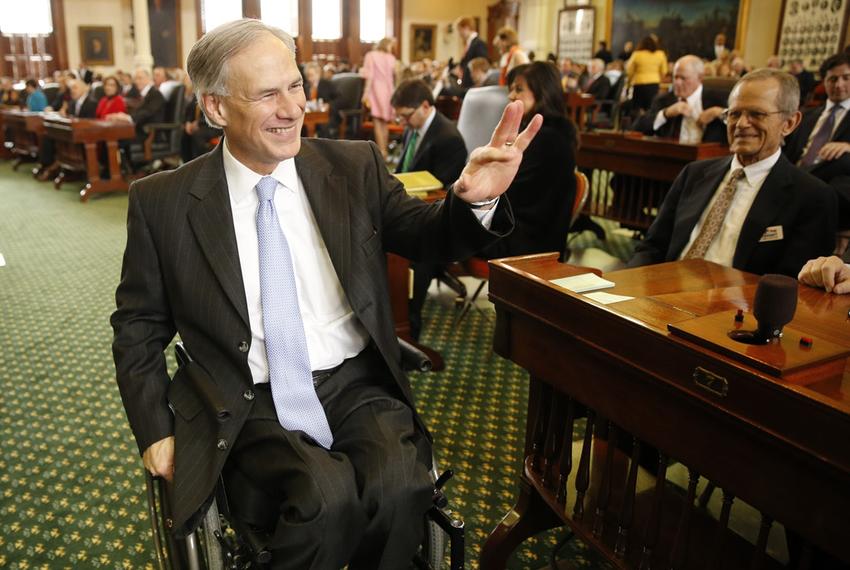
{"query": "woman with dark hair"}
(645, 68)
(111, 102)
(543, 191)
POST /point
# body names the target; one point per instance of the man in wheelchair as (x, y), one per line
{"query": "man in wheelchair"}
(267, 256)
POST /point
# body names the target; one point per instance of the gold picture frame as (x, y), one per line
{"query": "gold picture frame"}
(96, 45)
(423, 41)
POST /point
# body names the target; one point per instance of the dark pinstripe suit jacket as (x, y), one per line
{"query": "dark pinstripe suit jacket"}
(181, 273)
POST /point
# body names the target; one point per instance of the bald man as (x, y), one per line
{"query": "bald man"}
(690, 113)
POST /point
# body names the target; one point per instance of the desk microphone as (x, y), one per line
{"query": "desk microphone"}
(774, 306)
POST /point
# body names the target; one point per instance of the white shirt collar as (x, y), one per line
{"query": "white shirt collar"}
(472, 36)
(758, 171)
(695, 97)
(145, 89)
(241, 179)
(844, 104)
(428, 120)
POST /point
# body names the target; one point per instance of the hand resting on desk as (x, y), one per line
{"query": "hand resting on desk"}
(831, 273)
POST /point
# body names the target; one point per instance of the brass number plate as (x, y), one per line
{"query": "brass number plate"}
(711, 382)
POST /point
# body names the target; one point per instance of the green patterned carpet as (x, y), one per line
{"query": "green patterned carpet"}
(70, 476)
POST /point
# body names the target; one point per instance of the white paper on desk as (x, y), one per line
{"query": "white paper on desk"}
(583, 283)
(607, 298)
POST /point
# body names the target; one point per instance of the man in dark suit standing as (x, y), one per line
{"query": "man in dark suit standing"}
(267, 256)
(690, 114)
(473, 47)
(821, 145)
(433, 143)
(754, 210)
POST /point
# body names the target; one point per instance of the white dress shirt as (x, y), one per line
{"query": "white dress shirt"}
(839, 115)
(333, 331)
(691, 131)
(722, 249)
(424, 128)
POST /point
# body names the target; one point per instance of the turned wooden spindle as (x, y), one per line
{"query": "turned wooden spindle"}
(544, 394)
(716, 554)
(679, 555)
(583, 475)
(565, 465)
(627, 511)
(761, 542)
(550, 449)
(653, 526)
(607, 477)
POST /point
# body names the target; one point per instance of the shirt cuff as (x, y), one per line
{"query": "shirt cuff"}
(660, 119)
(485, 217)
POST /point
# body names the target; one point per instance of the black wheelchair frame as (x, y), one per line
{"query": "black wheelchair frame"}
(222, 542)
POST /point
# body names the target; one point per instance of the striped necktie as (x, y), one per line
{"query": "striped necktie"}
(715, 217)
(409, 151)
(821, 138)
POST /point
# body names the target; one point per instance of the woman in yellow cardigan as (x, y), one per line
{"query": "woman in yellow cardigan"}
(645, 69)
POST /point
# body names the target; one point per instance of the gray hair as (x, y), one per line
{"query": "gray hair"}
(788, 100)
(692, 62)
(207, 62)
(596, 65)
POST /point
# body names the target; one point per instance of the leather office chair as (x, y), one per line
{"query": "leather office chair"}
(163, 139)
(480, 112)
(479, 267)
(347, 106)
(224, 540)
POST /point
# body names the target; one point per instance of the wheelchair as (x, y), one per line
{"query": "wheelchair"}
(224, 542)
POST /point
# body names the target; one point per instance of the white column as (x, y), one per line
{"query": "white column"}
(142, 32)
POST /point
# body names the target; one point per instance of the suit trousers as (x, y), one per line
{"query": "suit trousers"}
(363, 502)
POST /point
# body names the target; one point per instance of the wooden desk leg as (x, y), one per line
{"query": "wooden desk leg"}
(529, 516)
(92, 172)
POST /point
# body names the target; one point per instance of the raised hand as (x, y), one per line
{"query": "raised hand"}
(492, 168)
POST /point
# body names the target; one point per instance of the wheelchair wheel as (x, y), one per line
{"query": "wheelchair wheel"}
(433, 551)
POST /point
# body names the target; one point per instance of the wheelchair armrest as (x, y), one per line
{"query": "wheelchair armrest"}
(412, 358)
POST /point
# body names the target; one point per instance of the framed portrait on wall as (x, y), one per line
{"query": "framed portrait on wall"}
(423, 41)
(576, 28)
(683, 26)
(96, 45)
(812, 30)
(164, 19)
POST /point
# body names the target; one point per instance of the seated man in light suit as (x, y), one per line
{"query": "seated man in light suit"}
(690, 113)
(754, 211)
(821, 145)
(267, 256)
(433, 143)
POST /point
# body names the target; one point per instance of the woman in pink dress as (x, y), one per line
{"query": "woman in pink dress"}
(379, 71)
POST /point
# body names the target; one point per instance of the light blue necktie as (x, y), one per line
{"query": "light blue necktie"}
(295, 399)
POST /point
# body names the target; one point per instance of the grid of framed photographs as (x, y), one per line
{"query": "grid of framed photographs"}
(812, 30)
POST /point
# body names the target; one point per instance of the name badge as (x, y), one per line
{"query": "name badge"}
(772, 233)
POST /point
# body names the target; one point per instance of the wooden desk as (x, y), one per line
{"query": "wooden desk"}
(312, 119)
(25, 129)
(630, 174)
(76, 150)
(779, 444)
(578, 104)
(398, 274)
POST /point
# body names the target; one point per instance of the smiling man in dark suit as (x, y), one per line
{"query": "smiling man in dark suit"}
(754, 211)
(267, 256)
(821, 145)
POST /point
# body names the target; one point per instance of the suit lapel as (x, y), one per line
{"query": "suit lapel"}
(428, 139)
(842, 133)
(691, 208)
(769, 203)
(328, 197)
(211, 220)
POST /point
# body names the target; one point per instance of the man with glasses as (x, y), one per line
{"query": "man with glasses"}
(822, 143)
(433, 143)
(754, 210)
